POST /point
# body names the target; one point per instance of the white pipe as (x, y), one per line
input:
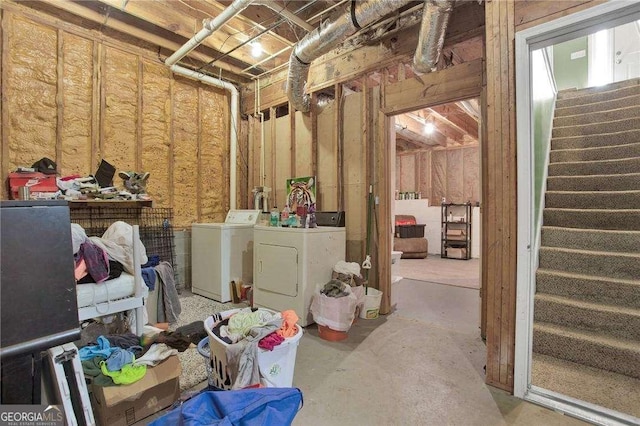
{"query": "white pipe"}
(261, 114)
(209, 26)
(235, 115)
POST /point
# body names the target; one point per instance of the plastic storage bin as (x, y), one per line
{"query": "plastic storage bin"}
(276, 366)
(410, 231)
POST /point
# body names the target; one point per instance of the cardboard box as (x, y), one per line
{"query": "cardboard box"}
(37, 182)
(127, 404)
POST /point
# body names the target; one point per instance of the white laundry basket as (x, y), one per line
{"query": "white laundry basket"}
(276, 366)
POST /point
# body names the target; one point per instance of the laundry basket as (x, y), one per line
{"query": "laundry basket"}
(276, 366)
(203, 349)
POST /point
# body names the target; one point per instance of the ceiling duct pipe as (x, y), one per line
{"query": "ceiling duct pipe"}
(435, 18)
(328, 36)
(208, 27)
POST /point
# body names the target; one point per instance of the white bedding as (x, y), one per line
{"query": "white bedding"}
(91, 294)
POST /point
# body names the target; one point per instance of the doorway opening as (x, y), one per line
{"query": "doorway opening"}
(572, 57)
(437, 159)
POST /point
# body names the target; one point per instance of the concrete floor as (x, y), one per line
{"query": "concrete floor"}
(421, 365)
(435, 269)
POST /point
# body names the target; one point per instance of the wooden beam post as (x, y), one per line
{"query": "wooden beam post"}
(59, 98)
(339, 135)
(499, 198)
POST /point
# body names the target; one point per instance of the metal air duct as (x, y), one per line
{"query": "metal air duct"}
(326, 37)
(435, 18)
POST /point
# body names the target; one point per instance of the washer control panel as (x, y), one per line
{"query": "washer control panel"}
(247, 217)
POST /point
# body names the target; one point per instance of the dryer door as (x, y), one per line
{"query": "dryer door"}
(277, 269)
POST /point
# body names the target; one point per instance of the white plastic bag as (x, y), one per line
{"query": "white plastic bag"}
(337, 313)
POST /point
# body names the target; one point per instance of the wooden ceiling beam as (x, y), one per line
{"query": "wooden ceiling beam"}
(443, 125)
(431, 141)
(186, 24)
(96, 14)
(459, 118)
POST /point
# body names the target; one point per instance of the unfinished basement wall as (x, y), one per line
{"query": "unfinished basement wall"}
(453, 174)
(291, 150)
(78, 97)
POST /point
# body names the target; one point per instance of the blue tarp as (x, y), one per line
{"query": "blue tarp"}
(246, 407)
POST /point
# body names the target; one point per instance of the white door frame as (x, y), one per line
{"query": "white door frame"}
(562, 29)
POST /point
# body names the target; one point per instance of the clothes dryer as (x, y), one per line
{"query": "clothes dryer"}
(290, 262)
(221, 253)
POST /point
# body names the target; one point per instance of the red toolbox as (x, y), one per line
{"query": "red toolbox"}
(37, 182)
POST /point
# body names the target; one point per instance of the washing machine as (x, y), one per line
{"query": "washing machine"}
(221, 253)
(290, 262)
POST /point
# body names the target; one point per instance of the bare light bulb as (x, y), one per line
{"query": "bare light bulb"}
(429, 128)
(256, 49)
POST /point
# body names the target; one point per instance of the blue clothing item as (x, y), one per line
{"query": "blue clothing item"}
(149, 277)
(103, 348)
(118, 359)
(153, 260)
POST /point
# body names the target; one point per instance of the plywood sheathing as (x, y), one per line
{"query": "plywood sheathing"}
(327, 159)
(302, 145)
(282, 142)
(355, 176)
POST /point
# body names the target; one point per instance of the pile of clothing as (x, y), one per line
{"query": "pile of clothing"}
(122, 359)
(95, 257)
(245, 332)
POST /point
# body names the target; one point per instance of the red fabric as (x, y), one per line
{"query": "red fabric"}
(404, 219)
(271, 341)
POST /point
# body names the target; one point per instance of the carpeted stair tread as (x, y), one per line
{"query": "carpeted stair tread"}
(589, 288)
(598, 106)
(611, 87)
(588, 348)
(589, 98)
(593, 218)
(616, 321)
(628, 181)
(602, 116)
(591, 239)
(593, 199)
(600, 387)
(602, 139)
(591, 262)
(596, 167)
(609, 152)
(596, 128)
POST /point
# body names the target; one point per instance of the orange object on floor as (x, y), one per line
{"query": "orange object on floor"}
(331, 335)
(162, 325)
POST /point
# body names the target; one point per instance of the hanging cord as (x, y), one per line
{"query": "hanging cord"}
(366, 265)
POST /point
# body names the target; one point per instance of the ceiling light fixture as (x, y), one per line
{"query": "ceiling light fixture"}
(429, 128)
(256, 49)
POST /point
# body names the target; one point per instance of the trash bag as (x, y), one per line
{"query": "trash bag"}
(337, 313)
(245, 407)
